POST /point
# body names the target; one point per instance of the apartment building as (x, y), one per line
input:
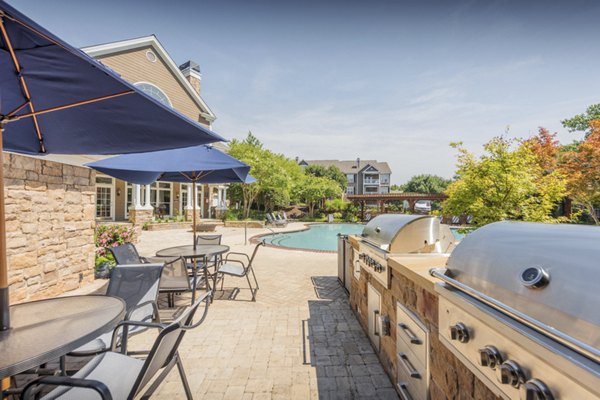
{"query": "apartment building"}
(364, 176)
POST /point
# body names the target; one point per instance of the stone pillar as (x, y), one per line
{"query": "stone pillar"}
(140, 214)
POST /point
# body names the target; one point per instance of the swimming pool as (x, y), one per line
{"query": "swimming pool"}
(316, 237)
(323, 236)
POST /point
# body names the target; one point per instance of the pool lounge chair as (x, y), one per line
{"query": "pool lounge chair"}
(113, 375)
(275, 222)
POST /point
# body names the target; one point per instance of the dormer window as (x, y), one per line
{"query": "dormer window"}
(154, 92)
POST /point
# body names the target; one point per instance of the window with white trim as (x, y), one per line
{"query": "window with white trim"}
(104, 197)
(155, 92)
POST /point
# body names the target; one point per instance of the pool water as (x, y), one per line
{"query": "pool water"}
(324, 236)
(317, 237)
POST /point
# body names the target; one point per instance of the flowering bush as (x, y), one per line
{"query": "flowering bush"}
(113, 235)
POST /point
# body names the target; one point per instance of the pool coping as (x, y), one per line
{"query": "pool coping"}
(256, 238)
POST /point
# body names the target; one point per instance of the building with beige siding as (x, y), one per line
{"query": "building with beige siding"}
(53, 203)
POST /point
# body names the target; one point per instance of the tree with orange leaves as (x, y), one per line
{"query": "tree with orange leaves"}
(581, 167)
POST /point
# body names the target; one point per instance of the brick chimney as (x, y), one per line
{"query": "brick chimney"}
(191, 71)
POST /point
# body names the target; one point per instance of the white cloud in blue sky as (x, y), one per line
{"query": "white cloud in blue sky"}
(391, 80)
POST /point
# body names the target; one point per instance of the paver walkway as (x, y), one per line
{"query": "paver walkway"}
(299, 340)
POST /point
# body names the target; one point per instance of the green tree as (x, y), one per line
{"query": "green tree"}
(581, 122)
(252, 153)
(331, 172)
(315, 189)
(426, 183)
(506, 182)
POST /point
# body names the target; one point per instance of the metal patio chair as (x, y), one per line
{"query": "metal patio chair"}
(126, 254)
(239, 268)
(113, 375)
(209, 239)
(138, 286)
(175, 280)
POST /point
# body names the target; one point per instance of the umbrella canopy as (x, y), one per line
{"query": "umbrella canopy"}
(197, 164)
(203, 164)
(56, 99)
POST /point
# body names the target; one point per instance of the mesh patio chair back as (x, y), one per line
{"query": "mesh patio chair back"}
(208, 239)
(166, 344)
(126, 254)
(137, 285)
(175, 276)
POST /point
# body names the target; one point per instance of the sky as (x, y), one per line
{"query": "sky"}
(396, 81)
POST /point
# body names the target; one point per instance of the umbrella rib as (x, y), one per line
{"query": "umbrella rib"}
(70, 105)
(23, 84)
(16, 110)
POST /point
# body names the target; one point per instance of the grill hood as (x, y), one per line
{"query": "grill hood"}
(398, 233)
(550, 273)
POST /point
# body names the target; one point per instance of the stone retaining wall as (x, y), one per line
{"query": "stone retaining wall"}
(50, 220)
(449, 378)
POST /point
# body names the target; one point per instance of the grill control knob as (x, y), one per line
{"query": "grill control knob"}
(535, 389)
(512, 374)
(490, 357)
(459, 332)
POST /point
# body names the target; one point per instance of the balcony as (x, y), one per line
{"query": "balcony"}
(371, 182)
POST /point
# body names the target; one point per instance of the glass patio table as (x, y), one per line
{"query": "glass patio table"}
(44, 330)
(203, 251)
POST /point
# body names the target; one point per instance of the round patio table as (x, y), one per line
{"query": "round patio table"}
(44, 330)
(194, 252)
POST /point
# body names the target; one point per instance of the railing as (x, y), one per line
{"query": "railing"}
(371, 181)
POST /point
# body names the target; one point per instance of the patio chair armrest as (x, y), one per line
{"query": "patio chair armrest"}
(97, 386)
(236, 254)
(206, 299)
(124, 325)
(232, 261)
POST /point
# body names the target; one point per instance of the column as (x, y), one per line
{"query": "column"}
(189, 204)
(137, 196)
(147, 204)
(225, 197)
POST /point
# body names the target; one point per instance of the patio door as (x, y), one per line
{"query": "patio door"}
(105, 198)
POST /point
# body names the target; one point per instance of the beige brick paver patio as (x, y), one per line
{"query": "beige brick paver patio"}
(299, 340)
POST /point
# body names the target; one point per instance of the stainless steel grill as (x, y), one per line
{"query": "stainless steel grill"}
(392, 234)
(519, 305)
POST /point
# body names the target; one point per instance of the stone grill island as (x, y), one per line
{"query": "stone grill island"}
(400, 314)
(509, 313)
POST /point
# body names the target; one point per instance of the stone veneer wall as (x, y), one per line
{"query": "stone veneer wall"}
(449, 378)
(50, 220)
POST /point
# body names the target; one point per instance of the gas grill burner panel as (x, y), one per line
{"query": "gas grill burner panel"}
(547, 273)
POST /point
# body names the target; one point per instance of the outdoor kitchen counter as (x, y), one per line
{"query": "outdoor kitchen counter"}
(416, 268)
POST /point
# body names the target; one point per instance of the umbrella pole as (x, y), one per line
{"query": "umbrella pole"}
(194, 211)
(4, 302)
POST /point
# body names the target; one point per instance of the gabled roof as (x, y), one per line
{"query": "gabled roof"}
(351, 166)
(131, 44)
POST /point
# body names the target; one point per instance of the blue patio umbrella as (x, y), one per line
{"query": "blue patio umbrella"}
(56, 99)
(196, 164)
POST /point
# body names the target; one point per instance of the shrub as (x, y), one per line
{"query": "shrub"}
(107, 236)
